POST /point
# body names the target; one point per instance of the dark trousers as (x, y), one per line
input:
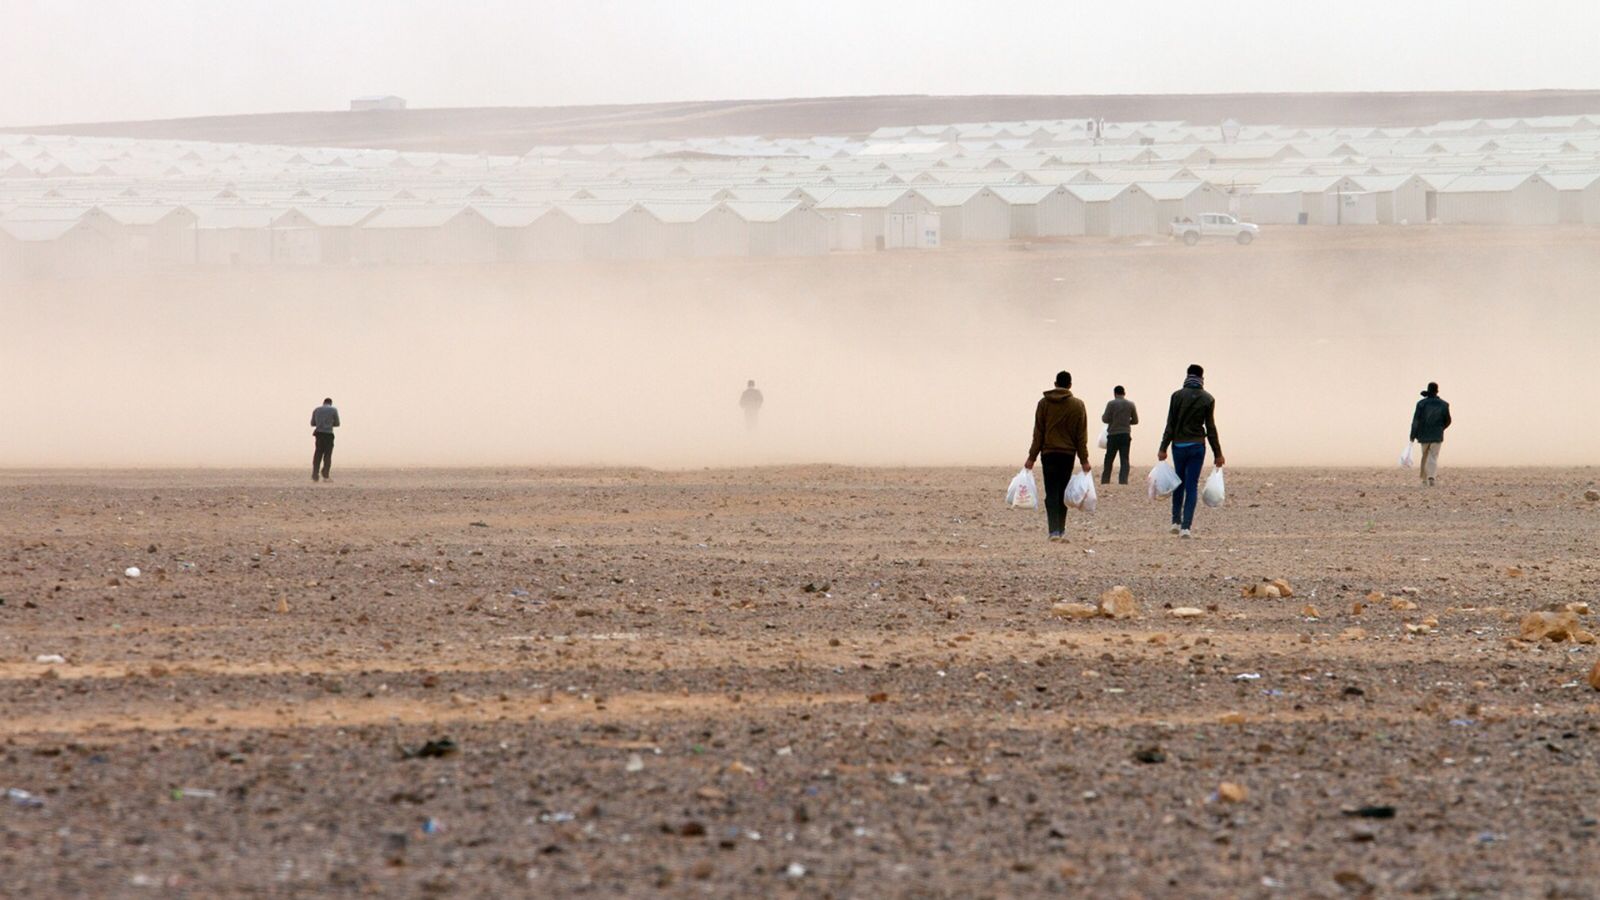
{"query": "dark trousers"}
(322, 458)
(1057, 472)
(1117, 444)
(1188, 461)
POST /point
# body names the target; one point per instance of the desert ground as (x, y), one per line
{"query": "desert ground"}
(820, 681)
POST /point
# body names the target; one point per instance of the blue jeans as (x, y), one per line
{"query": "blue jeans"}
(1188, 460)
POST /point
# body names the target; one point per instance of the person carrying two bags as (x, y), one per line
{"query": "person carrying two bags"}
(1191, 424)
(1060, 433)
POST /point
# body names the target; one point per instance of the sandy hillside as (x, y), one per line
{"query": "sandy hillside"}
(514, 130)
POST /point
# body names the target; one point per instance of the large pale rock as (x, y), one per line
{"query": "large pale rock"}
(1548, 626)
(1118, 603)
(1186, 612)
(1074, 611)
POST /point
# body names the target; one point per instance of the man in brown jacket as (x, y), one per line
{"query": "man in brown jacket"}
(1060, 432)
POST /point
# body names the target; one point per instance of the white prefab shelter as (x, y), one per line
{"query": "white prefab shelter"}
(53, 248)
(1579, 196)
(153, 236)
(1115, 210)
(378, 101)
(1499, 200)
(780, 228)
(872, 207)
(1308, 199)
(1043, 211)
(969, 213)
(1398, 199)
(426, 234)
(1184, 199)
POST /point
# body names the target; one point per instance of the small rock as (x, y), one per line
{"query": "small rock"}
(1118, 603)
(132, 572)
(1185, 612)
(1284, 590)
(879, 697)
(283, 605)
(1370, 812)
(1594, 676)
(1548, 626)
(1231, 718)
(1228, 792)
(1401, 604)
(701, 870)
(1577, 608)
(1353, 634)
(1591, 495)
(1149, 755)
(50, 659)
(1264, 589)
(635, 764)
(795, 870)
(1513, 571)
(1310, 612)
(1074, 611)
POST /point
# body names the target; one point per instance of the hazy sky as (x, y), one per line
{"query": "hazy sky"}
(96, 60)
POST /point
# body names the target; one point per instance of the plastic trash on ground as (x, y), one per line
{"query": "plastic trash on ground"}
(1163, 480)
(1213, 493)
(1023, 492)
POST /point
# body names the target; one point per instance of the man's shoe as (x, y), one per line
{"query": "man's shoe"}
(1175, 528)
(313, 479)
(1056, 537)
(1185, 534)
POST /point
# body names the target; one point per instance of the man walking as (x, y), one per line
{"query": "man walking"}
(1427, 426)
(324, 419)
(1191, 423)
(1120, 417)
(750, 402)
(1060, 432)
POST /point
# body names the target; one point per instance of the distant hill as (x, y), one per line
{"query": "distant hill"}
(515, 129)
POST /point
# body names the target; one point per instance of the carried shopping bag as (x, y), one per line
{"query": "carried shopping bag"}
(1163, 480)
(1405, 458)
(1105, 437)
(1023, 492)
(1213, 493)
(1080, 492)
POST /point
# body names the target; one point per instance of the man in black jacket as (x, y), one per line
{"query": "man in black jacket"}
(1427, 426)
(1120, 417)
(1191, 424)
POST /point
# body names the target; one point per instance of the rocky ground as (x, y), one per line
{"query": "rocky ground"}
(818, 681)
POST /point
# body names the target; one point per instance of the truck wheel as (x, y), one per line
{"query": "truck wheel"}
(1190, 238)
(1245, 237)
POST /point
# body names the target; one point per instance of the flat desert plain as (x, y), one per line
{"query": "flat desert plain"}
(811, 680)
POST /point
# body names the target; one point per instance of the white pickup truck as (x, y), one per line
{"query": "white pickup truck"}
(1214, 226)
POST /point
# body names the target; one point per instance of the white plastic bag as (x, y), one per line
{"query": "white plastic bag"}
(1163, 480)
(1023, 492)
(1080, 491)
(1105, 437)
(1213, 493)
(1405, 458)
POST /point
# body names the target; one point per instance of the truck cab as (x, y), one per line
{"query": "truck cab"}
(1214, 226)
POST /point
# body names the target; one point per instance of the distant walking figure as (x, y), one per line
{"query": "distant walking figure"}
(324, 419)
(1191, 423)
(1060, 432)
(1427, 426)
(1120, 417)
(750, 402)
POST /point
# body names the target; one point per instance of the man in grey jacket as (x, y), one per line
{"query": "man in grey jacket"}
(1120, 417)
(324, 419)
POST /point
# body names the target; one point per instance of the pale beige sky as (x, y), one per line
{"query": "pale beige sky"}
(95, 60)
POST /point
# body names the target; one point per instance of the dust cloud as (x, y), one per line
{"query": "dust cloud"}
(1315, 342)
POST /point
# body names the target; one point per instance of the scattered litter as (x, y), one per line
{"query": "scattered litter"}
(432, 826)
(1247, 676)
(132, 572)
(196, 793)
(50, 659)
(22, 798)
(635, 764)
(557, 817)
(795, 870)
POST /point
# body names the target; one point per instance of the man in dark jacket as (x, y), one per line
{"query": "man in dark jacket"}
(1120, 417)
(324, 419)
(1060, 432)
(1427, 426)
(1191, 424)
